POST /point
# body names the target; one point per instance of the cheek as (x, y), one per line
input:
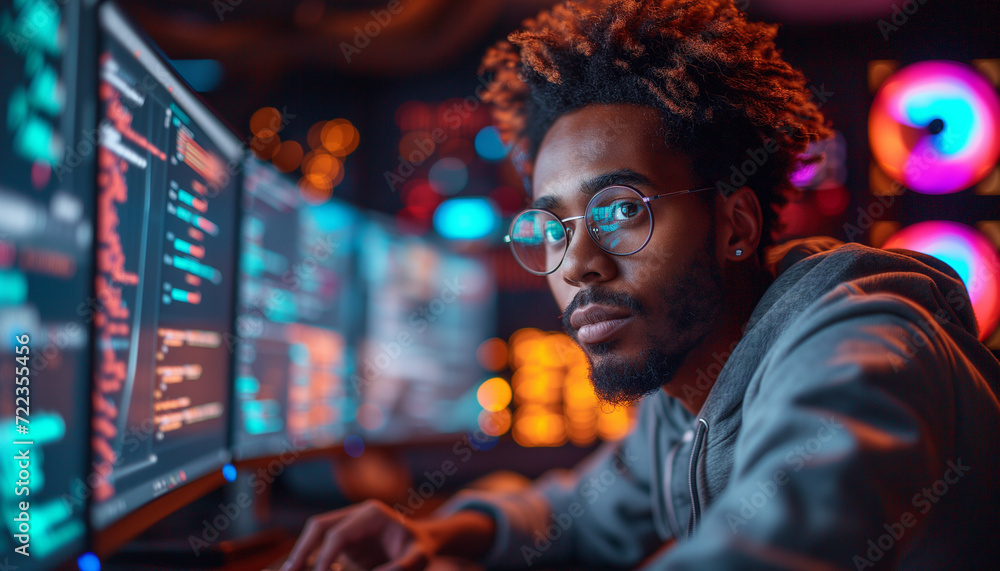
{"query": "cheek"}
(561, 291)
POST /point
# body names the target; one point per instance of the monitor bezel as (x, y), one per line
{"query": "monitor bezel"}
(112, 21)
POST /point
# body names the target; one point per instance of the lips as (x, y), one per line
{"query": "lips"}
(598, 323)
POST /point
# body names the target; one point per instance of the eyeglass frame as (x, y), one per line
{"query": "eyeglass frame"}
(569, 231)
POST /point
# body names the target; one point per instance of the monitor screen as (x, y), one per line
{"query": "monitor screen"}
(296, 317)
(428, 309)
(46, 279)
(166, 238)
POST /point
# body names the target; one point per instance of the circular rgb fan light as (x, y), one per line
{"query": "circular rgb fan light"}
(972, 256)
(935, 127)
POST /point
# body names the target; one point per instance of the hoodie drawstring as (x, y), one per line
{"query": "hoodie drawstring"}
(700, 437)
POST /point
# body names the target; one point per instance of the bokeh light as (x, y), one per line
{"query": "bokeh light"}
(265, 120)
(489, 145)
(340, 137)
(448, 175)
(494, 394)
(413, 115)
(972, 256)
(832, 201)
(935, 127)
(466, 218)
(370, 417)
(495, 423)
(315, 135)
(420, 199)
(288, 157)
(416, 146)
(554, 400)
(492, 354)
(229, 472)
(315, 190)
(86, 562)
(265, 146)
(354, 446)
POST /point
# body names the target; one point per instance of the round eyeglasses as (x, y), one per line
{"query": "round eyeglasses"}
(618, 220)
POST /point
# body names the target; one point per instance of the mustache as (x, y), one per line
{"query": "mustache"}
(590, 295)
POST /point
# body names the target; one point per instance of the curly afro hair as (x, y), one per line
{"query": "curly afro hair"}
(717, 80)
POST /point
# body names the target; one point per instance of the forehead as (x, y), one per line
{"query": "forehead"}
(594, 141)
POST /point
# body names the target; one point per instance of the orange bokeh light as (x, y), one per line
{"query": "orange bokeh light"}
(288, 157)
(340, 137)
(494, 394)
(265, 119)
(492, 354)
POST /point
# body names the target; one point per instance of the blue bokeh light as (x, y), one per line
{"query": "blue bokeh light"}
(489, 146)
(354, 446)
(88, 562)
(229, 472)
(465, 218)
(448, 176)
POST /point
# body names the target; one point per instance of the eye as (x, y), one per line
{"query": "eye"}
(554, 231)
(625, 210)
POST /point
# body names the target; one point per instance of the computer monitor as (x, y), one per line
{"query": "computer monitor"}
(427, 311)
(47, 52)
(165, 278)
(297, 316)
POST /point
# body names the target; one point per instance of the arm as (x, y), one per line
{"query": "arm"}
(597, 514)
(850, 414)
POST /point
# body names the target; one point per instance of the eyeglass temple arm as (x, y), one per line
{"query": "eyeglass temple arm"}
(666, 194)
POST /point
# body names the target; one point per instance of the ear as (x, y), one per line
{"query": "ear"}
(739, 224)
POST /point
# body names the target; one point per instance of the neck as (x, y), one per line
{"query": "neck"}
(743, 287)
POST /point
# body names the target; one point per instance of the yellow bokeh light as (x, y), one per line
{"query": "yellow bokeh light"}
(554, 399)
(494, 394)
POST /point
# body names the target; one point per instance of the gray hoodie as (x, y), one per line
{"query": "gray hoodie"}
(855, 425)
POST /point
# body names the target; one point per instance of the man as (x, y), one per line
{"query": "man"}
(825, 406)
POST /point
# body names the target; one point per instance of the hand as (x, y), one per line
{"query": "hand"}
(370, 532)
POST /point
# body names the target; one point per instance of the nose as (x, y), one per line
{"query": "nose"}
(585, 262)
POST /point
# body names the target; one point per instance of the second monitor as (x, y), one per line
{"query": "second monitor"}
(296, 319)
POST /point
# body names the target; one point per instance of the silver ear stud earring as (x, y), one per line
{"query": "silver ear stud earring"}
(739, 252)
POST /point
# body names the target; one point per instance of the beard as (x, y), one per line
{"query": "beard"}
(688, 307)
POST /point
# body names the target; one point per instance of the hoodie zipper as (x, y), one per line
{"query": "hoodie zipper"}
(700, 436)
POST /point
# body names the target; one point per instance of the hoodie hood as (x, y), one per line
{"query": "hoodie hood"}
(811, 267)
(810, 273)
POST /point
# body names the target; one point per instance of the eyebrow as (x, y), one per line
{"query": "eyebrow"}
(593, 185)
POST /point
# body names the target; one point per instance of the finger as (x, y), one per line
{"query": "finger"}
(413, 560)
(311, 536)
(358, 525)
